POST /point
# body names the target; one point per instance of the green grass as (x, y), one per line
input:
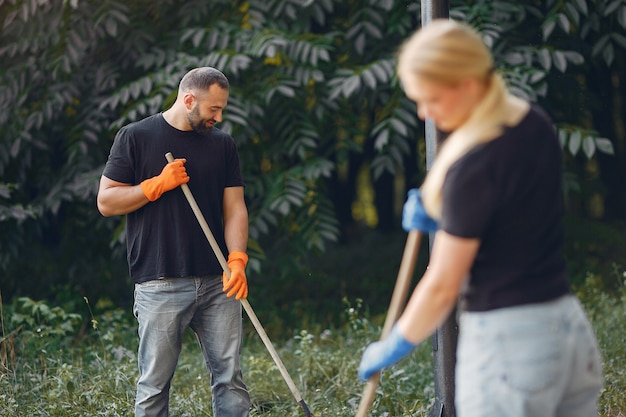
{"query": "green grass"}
(607, 313)
(47, 371)
(60, 364)
(56, 374)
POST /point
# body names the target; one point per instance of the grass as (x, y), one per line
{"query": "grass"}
(57, 373)
(57, 363)
(608, 314)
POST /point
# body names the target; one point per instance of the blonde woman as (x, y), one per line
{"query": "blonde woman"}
(494, 197)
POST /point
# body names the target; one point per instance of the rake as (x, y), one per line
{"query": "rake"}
(398, 298)
(246, 305)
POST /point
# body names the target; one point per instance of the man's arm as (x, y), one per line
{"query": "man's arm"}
(235, 219)
(117, 198)
(236, 236)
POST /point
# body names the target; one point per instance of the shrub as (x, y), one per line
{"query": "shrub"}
(65, 371)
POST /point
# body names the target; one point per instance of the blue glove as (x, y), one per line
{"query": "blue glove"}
(382, 354)
(414, 216)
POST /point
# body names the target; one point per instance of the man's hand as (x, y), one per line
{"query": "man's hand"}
(173, 175)
(237, 284)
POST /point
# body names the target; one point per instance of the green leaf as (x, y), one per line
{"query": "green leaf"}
(111, 27)
(621, 16)
(559, 60)
(619, 39)
(197, 37)
(351, 85)
(600, 45)
(547, 28)
(381, 140)
(369, 79)
(611, 7)
(574, 57)
(575, 141)
(563, 22)
(572, 12)
(582, 6)
(605, 145)
(399, 127)
(286, 91)
(372, 30)
(608, 54)
(545, 58)
(589, 146)
(537, 76)
(359, 43)
(514, 58)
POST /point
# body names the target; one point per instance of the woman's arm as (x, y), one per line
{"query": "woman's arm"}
(437, 292)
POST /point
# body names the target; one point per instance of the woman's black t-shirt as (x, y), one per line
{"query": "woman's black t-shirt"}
(164, 238)
(508, 193)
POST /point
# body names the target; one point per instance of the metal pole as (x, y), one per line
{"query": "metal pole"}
(445, 338)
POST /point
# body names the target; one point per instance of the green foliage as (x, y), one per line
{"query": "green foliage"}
(40, 327)
(52, 367)
(527, 66)
(95, 375)
(607, 314)
(314, 95)
(594, 246)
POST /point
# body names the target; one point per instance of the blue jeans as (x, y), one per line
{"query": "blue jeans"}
(164, 308)
(529, 361)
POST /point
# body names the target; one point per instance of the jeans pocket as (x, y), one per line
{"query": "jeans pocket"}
(150, 295)
(530, 357)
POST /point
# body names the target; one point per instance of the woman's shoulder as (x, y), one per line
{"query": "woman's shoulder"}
(521, 112)
(517, 110)
(537, 116)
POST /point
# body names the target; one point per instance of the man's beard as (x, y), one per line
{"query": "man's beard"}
(198, 124)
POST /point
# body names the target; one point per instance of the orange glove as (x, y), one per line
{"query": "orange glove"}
(237, 261)
(173, 175)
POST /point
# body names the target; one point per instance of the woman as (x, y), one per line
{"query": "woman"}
(494, 195)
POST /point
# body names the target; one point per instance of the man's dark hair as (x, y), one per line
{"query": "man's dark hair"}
(202, 78)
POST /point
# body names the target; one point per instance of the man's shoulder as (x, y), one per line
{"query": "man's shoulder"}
(143, 128)
(219, 134)
(224, 139)
(147, 123)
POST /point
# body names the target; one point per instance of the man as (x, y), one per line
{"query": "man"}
(179, 282)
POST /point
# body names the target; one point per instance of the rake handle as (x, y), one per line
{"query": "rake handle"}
(398, 298)
(246, 305)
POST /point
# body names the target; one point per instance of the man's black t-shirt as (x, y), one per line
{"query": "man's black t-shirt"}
(164, 238)
(508, 194)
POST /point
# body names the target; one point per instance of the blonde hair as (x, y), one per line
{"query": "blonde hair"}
(449, 52)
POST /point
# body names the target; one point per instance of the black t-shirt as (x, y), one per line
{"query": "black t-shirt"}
(164, 238)
(508, 193)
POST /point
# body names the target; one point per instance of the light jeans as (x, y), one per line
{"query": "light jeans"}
(529, 361)
(164, 308)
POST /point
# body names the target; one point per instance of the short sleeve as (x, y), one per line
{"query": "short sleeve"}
(468, 199)
(234, 178)
(120, 165)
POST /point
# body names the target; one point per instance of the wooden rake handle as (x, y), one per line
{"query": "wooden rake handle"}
(398, 298)
(246, 305)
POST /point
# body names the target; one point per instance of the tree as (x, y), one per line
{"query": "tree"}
(314, 98)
